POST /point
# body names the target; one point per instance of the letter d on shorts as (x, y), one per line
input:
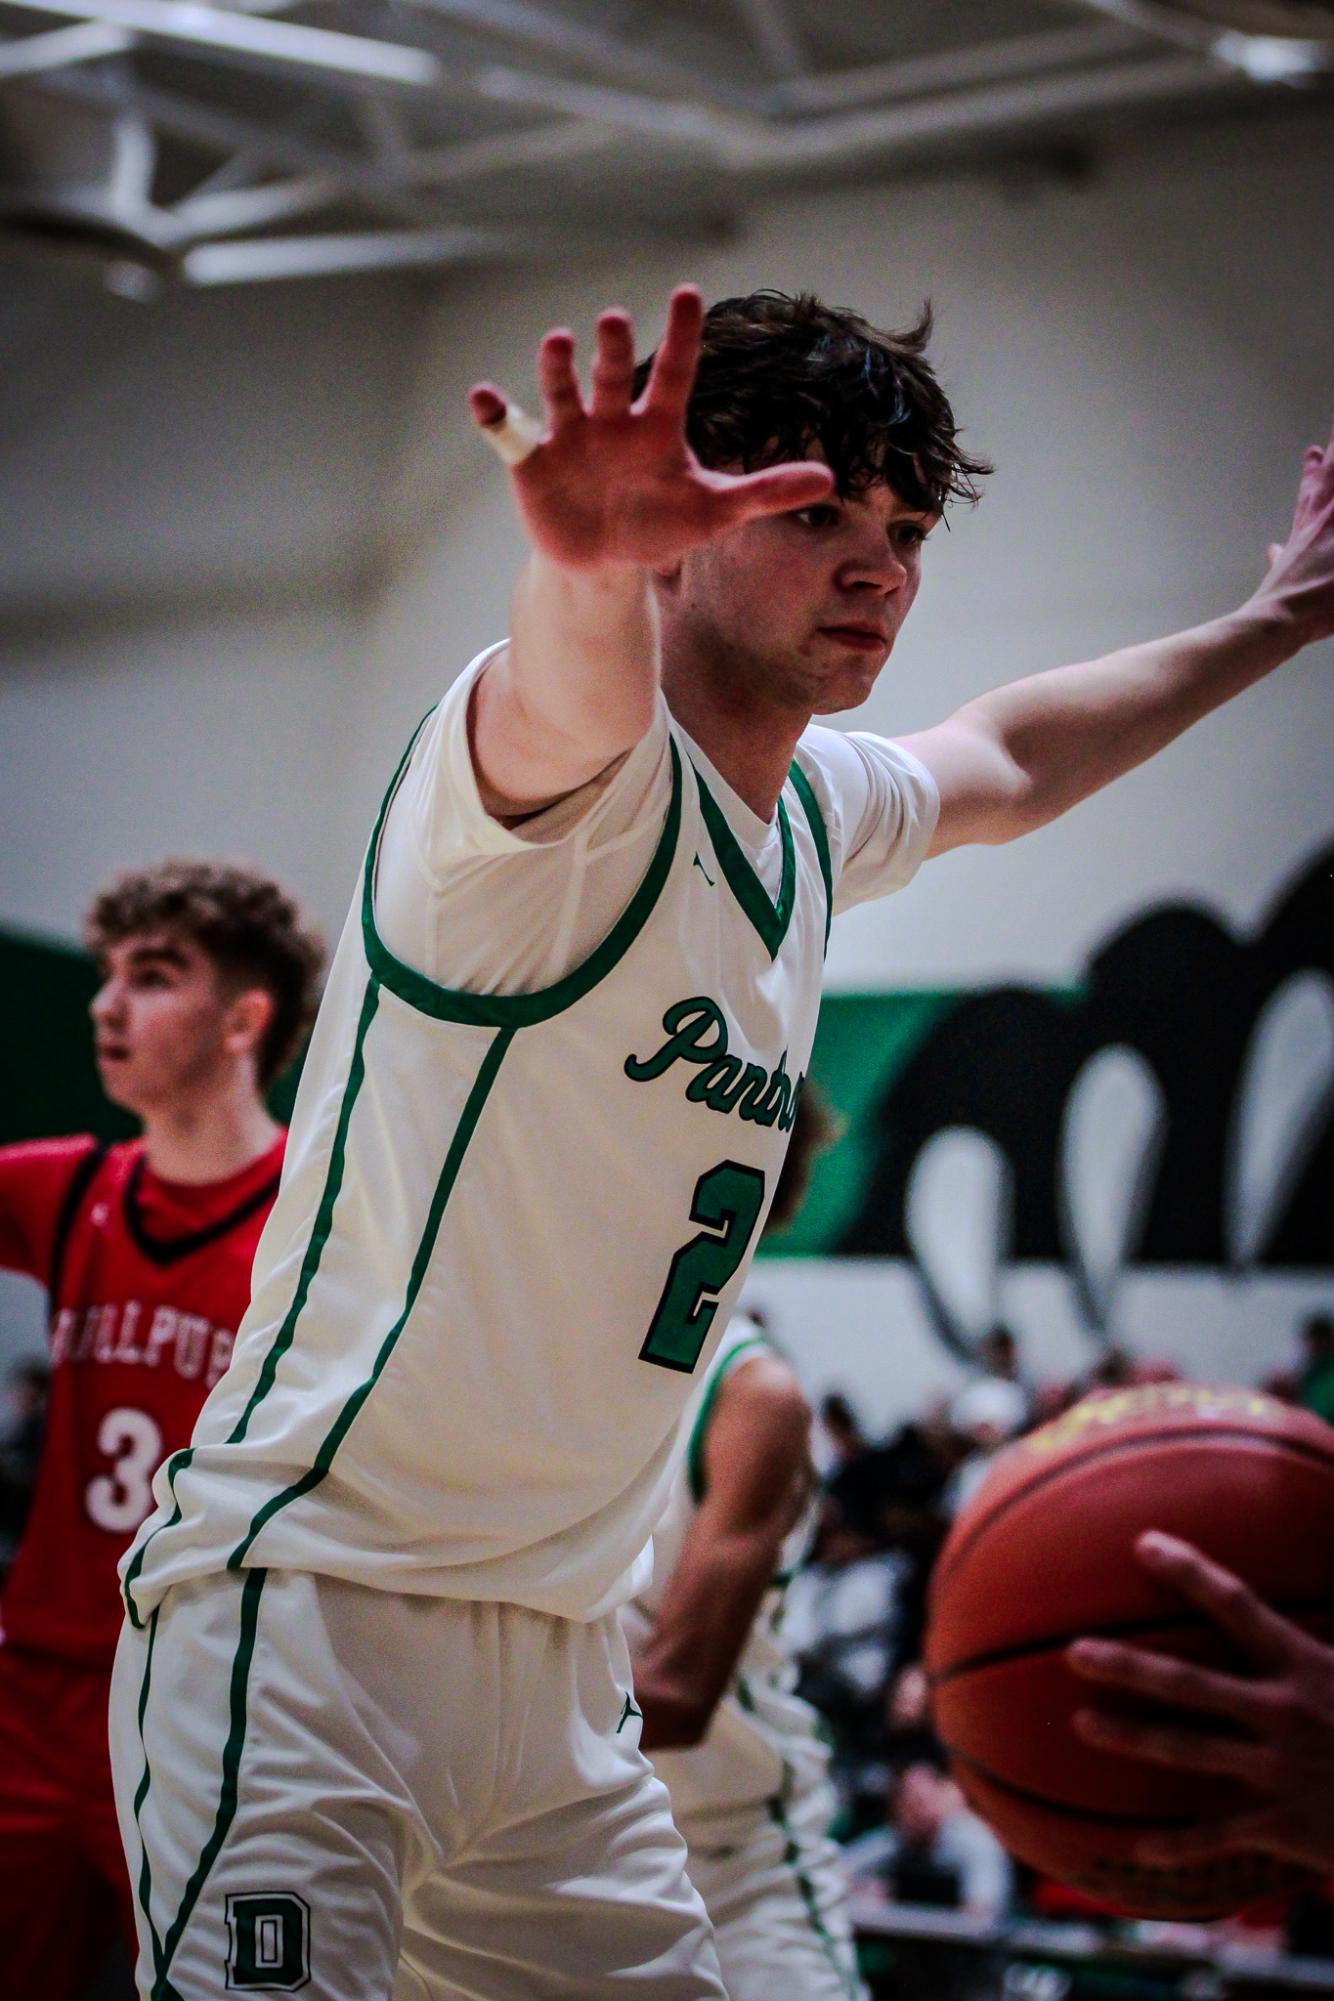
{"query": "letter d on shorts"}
(268, 1934)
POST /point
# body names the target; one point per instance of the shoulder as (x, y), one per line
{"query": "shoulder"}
(844, 765)
(439, 785)
(758, 1399)
(48, 1166)
(880, 804)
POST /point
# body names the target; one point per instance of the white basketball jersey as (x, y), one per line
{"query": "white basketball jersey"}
(763, 1742)
(510, 1231)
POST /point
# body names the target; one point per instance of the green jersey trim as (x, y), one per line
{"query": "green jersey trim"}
(323, 1224)
(342, 1424)
(310, 1264)
(251, 1591)
(144, 1885)
(805, 791)
(695, 1446)
(792, 1856)
(511, 1011)
(769, 917)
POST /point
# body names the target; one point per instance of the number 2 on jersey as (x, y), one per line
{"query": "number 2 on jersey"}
(728, 1200)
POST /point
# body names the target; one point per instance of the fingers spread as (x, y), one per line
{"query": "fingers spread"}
(673, 372)
(556, 378)
(1182, 1750)
(1164, 1679)
(1263, 1634)
(613, 364)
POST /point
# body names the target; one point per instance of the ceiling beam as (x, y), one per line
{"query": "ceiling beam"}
(1262, 58)
(269, 258)
(272, 258)
(232, 211)
(678, 119)
(902, 127)
(60, 48)
(229, 36)
(504, 152)
(228, 132)
(952, 69)
(554, 34)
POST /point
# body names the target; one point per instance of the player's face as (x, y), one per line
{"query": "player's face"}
(804, 608)
(160, 1022)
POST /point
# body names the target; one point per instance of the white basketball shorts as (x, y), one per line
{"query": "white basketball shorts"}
(358, 1795)
(777, 1897)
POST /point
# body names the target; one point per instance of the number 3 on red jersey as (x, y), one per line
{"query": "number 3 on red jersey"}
(118, 1499)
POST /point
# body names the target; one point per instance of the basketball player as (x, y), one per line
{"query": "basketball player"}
(742, 1756)
(145, 1251)
(370, 1723)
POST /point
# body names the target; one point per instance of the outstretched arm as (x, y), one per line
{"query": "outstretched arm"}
(1273, 1729)
(607, 491)
(756, 1467)
(1016, 758)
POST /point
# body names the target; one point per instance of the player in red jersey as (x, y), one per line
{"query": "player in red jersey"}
(145, 1249)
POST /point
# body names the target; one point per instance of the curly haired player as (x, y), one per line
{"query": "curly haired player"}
(145, 1250)
(371, 1719)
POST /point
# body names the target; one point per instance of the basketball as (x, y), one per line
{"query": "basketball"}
(1044, 1554)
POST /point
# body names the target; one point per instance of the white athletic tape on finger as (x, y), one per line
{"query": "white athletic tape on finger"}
(515, 436)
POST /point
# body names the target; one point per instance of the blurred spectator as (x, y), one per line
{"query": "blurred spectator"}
(856, 1476)
(917, 1463)
(1111, 1371)
(986, 1414)
(998, 1355)
(841, 1621)
(908, 1734)
(20, 1451)
(1315, 1382)
(934, 1850)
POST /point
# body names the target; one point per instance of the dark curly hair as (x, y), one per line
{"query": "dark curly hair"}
(779, 374)
(250, 928)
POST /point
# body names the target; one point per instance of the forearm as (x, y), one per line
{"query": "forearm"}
(676, 1713)
(1067, 733)
(576, 686)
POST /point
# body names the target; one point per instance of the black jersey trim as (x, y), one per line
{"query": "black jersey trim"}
(80, 1183)
(170, 1250)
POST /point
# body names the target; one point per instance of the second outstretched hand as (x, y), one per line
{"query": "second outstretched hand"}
(611, 480)
(1271, 1728)
(1299, 582)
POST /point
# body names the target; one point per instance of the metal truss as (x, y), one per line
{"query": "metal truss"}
(396, 132)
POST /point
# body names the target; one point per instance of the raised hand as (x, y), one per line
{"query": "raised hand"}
(612, 480)
(1272, 1729)
(1300, 579)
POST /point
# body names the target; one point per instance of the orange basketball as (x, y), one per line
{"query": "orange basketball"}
(1044, 1553)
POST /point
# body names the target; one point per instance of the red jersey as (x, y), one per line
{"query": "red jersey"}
(153, 1278)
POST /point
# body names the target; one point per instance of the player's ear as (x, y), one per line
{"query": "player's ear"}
(247, 1021)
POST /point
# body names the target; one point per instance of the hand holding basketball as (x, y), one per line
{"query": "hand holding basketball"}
(1277, 1732)
(613, 480)
(1078, 1561)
